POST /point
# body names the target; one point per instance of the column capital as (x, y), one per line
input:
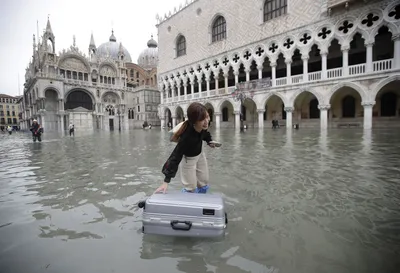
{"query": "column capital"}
(323, 52)
(289, 109)
(345, 48)
(324, 106)
(368, 103)
(369, 44)
(217, 113)
(305, 57)
(173, 116)
(396, 37)
(236, 112)
(288, 61)
(260, 111)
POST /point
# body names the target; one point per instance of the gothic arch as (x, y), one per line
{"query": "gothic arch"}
(352, 85)
(210, 103)
(364, 34)
(392, 29)
(382, 84)
(263, 101)
(176, 109)
(293, 98)
(231, 101)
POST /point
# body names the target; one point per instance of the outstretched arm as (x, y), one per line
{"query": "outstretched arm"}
(170, 167)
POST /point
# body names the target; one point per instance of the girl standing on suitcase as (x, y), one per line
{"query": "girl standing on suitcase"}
(190, 137)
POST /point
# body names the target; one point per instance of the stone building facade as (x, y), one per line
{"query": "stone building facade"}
(94, 91)
(9, 111)
(314, 63)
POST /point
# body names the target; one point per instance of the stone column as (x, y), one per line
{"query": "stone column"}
(369, 68)
(173, 121)
(226, 81)
(42, 121)
(260, 70)
(217, 120)
(126, 122)
(289, 112)
(178, 89)
(345, 60)
(247, 70)
(162, 122)
(236, 73)
(324, 115)
(185, 90)
(208, 84)
(396, 55)
(162, 93)
(273, 73)
(237, 119)
(288, 71)
(324, 55)
(199, 83)
(62, 122)
(172, 91)
(260, 118)
(368, 106)
(305, 67)
(216, 77)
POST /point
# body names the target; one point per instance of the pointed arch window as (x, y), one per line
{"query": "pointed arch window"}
(219, 29)
(274, 8)
(181, 46)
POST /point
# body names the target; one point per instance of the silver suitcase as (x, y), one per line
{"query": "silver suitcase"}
(184, 214)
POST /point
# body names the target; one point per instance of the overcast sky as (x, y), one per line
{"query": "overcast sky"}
(133, 22)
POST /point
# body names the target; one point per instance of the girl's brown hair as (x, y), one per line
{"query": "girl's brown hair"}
(195, 112)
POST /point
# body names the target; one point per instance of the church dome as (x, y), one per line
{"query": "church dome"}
(148, 59)
(111, 48)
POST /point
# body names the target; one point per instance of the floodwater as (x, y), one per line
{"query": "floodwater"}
(297, 201)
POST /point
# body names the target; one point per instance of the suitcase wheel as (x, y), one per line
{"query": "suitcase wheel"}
(141, 204)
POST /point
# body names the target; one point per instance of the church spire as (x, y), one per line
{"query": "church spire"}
(48, 27)
(92, 44)
(112, 37)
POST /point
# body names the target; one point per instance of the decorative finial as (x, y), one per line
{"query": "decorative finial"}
(74, 40)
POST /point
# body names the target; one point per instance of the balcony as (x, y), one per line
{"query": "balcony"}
(313, 77)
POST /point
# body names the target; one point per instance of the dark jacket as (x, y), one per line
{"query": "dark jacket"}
(189, 144)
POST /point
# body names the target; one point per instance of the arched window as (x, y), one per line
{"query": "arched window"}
(219, 29)
(274, 8)
(181, 46)
(110, 110)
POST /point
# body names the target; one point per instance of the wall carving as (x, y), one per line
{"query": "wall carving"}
(107, 70)
(73, 64)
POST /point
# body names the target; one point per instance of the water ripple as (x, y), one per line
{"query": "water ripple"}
(300, 201)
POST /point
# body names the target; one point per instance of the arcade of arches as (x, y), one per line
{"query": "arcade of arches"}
(346, 106)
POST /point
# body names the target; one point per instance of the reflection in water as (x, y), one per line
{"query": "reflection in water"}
(297, 201)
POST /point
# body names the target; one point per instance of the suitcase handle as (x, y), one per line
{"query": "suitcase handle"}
(174, 225)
